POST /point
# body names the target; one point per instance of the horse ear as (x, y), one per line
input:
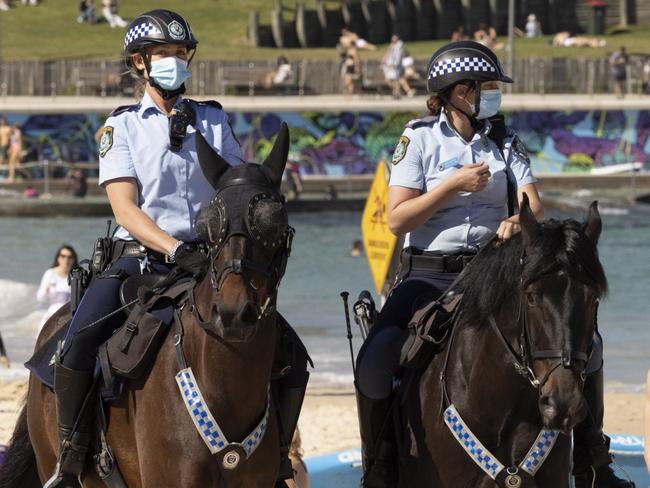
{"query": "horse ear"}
(593, 225)
(212, 165)
(277, 159)
(527, 220)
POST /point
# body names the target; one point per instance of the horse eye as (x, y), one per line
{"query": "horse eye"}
(532, 299)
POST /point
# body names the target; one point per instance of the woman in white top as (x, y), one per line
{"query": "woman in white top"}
(54, 288)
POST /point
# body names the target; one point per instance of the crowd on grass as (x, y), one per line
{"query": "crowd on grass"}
(87, 13)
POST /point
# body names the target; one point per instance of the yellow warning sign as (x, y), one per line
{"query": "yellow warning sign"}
(378, 240)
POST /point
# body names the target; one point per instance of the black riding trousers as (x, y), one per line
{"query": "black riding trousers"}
(378, 359)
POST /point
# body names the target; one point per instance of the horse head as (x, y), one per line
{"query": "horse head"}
(561, 283)
(247, 231)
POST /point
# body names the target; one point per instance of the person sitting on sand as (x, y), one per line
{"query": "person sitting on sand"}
(565, 39)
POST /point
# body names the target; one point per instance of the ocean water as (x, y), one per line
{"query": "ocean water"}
(319, 269)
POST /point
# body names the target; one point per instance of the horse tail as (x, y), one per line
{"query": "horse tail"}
(19, 467)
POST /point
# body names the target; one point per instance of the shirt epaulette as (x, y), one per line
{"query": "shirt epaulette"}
(212, 103)
(423, 122)
(124, 108)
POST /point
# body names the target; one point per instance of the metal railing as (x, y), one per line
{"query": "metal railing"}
(213, 77)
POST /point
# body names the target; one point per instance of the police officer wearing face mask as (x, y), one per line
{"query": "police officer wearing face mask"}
(448, 194)
(454, 180)
(150, 170)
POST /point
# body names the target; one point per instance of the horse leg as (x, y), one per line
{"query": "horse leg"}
(41, 419)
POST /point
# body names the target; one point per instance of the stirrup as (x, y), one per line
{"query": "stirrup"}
(62, 480)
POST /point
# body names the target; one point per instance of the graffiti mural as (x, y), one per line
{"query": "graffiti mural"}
(350, 143)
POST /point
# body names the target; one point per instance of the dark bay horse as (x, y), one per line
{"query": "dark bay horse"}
(514, 364)
(229, 341)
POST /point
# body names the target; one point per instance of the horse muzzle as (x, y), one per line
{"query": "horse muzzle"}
(562, 412)
(240, 325)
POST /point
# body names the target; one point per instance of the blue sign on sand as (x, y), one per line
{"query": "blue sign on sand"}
(343, 469)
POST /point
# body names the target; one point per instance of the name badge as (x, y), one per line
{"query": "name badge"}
(450, 163)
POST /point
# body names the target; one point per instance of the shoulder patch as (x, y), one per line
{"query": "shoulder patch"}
(423, 122)
(124, 108)
(519, 149)
(106, 141)
(400, 149)
(212, 103)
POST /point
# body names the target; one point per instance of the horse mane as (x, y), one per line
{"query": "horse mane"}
(495, 277)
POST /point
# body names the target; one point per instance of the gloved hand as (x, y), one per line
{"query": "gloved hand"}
(190, 259)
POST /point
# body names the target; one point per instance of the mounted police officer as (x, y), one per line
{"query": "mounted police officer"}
(455, 178)
(150, 170)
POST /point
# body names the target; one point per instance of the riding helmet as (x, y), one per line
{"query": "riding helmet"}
(158, 27)
(461, 61)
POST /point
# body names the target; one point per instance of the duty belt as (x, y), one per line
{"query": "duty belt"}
(438, 263)
(133, 249)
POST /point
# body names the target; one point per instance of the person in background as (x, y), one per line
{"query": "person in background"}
(357, 249)
(458, 34)
(77, 185)
(645, 82)
(109, 11)
(4, 6)
(30, 192)
(618, 63)
(54, 289)
(300, 474)
(281, 74)
(350, 44)
(533, 27)
(15, 152)
(294, 181)
(4, 359)
(646, 431)
(87, 12)
(5, 139)
(392, 65)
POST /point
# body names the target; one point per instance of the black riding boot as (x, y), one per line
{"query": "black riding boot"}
(591, 458)
(71, 388)
(290, 393)
(377, 442)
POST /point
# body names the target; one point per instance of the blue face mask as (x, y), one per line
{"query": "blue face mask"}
(490, 103)
(170, 72)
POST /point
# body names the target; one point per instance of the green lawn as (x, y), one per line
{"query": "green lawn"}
(51, 31)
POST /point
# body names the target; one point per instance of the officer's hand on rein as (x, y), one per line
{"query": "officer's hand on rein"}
(472, 177)
(190, 259)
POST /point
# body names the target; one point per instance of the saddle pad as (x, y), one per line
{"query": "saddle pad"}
(41, 364)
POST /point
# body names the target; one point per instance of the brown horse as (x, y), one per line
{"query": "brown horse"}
(513, 364)
(229, 341)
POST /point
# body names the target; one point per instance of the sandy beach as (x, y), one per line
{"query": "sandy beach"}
(329, 417)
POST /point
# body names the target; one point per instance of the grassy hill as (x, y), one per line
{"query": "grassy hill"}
(51, 31)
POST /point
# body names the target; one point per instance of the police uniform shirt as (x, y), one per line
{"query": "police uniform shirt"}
(429, 151)
(171, 186)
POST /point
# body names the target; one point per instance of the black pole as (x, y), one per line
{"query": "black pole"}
(345, 295)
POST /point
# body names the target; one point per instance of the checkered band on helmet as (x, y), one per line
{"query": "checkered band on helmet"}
(463, 61)
(158, 27)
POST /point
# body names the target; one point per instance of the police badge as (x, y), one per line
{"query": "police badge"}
(400, 149)
(106, 141)
(520, 150)
(176, 30)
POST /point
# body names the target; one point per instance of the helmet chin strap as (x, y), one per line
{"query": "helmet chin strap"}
(165, 94)
(476, 124)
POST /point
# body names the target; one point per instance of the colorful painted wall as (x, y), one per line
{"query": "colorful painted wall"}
(349, 143)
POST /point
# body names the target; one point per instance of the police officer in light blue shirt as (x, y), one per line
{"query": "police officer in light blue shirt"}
(150, 170)
(448, 195)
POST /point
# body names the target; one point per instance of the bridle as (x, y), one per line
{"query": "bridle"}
(225, 221)
(524, 359)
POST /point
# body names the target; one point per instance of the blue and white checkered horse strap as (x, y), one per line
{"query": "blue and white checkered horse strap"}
(540, 451)
(467, 64)
(468, 441)
(208, 428)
